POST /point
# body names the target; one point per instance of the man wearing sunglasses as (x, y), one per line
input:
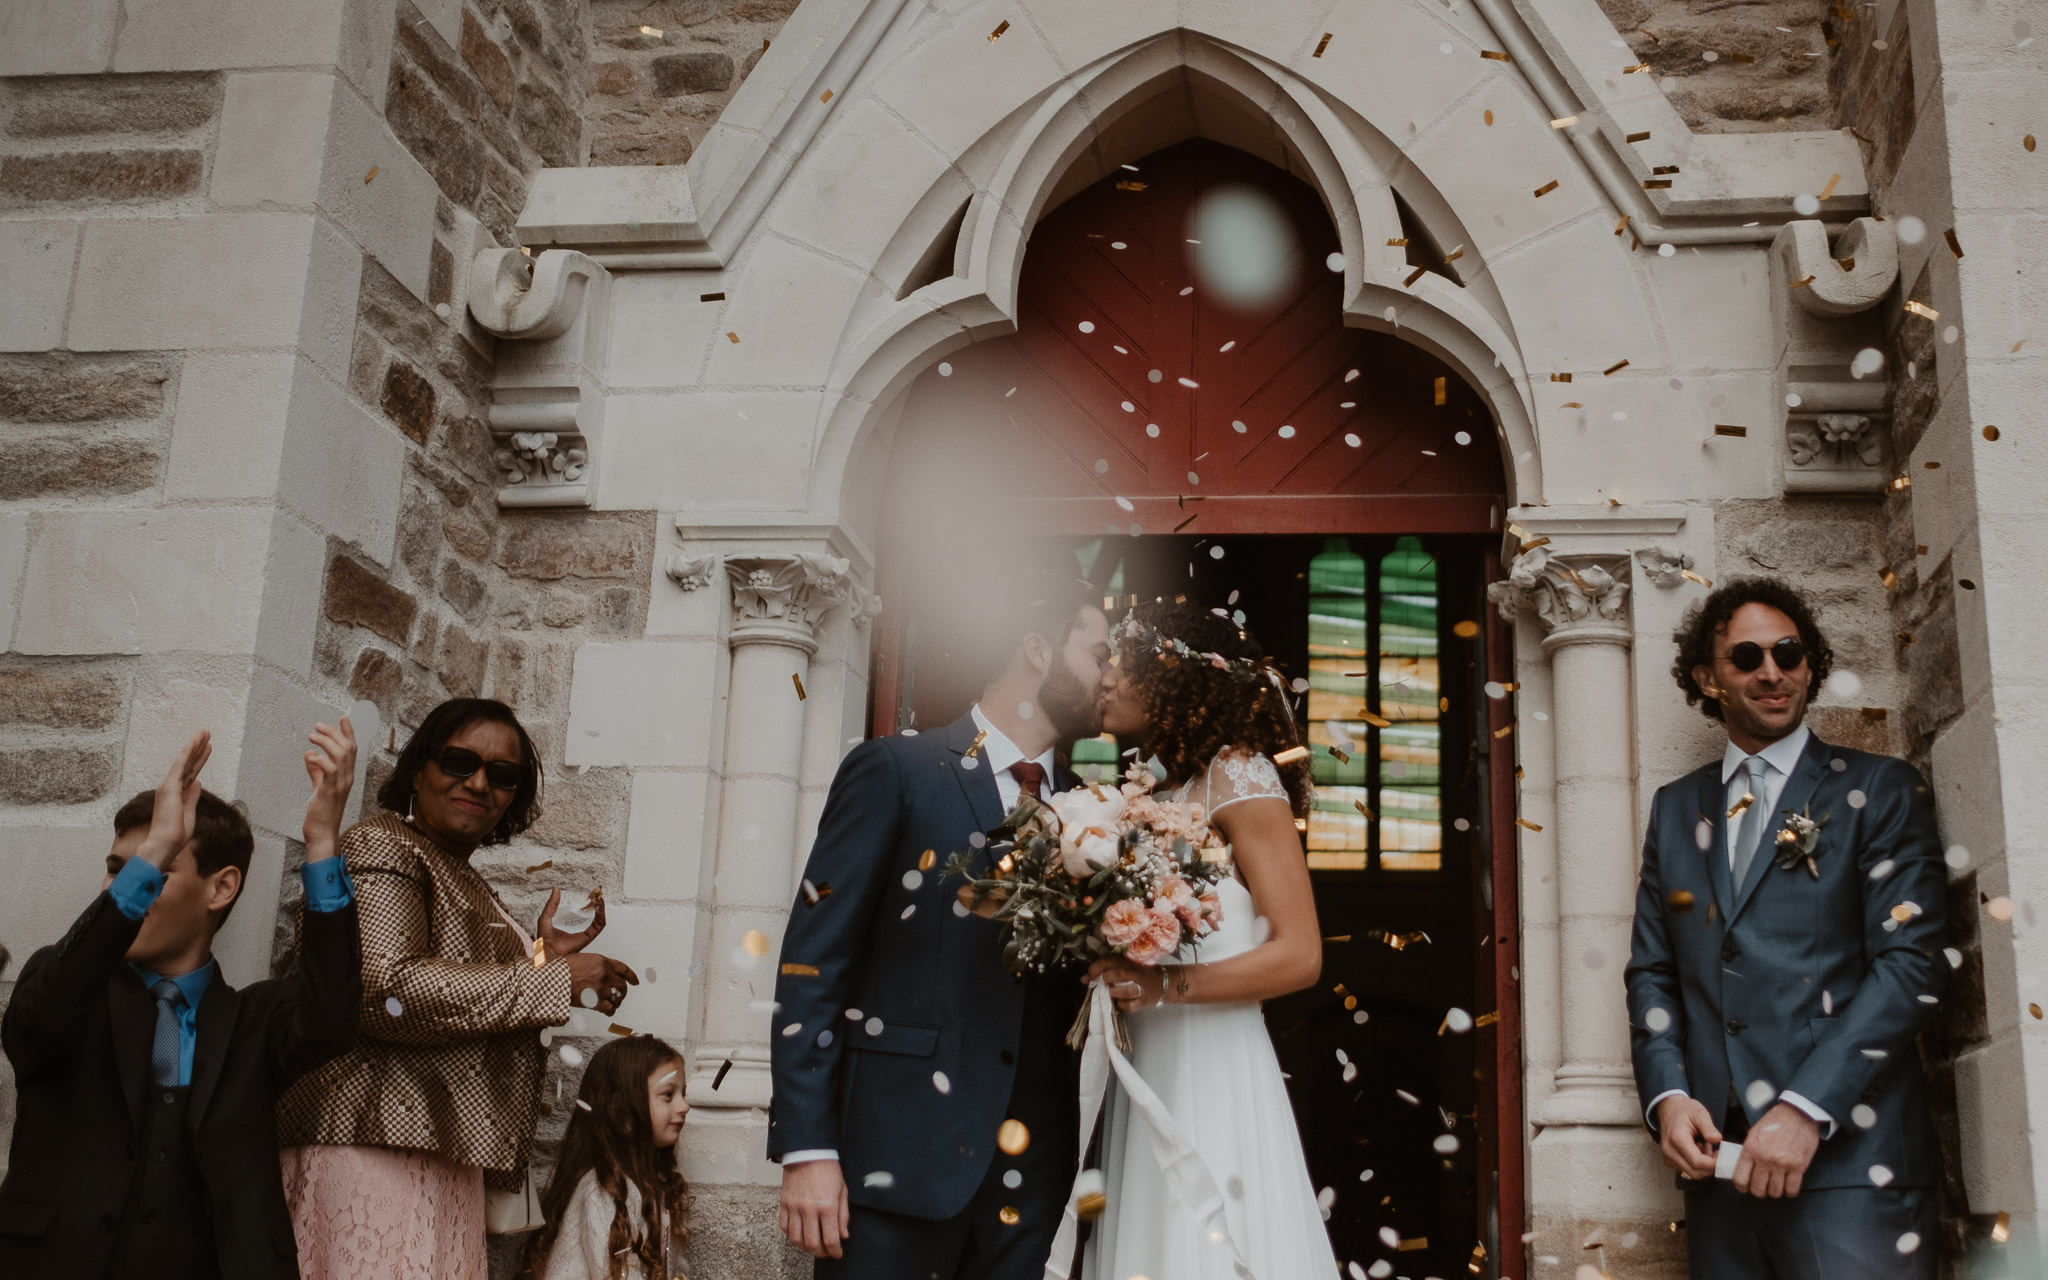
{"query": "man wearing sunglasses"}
(1788, 942)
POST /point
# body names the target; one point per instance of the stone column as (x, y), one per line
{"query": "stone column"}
(1578, 600)
(777, 602)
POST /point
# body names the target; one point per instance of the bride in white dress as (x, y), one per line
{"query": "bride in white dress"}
(1198, 1038)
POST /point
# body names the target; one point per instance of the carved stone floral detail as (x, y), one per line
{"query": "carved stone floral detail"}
(692, 573)
(780, 598)
(1836, 452)
(542, 457)
(1564, 592)
(1663, 568)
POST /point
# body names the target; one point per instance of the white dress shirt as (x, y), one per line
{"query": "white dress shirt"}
(1780, 759)
(997, 754)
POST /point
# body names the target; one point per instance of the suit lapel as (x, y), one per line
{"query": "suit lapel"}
(132, 1015)
(1798, 793)
(1715, 813)
(976, 783)
(217, 1009)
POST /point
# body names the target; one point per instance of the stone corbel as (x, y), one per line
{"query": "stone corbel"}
(1665, 569)
(550, 315)
(692, 573)
(1568, 594)
(1854, 276)
(1831, 368)
(1836, 453)
(779, 598)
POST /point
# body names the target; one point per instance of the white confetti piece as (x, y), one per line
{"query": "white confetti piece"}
(1880, 1176)
(1759, 1094)
(879, 1178)
(1862, 1116)
(571, 1055)
(940, 1082)
(1446, 1144)
(392, 1007)
(913, 877)
(1657, 1020)
(1908, 1242)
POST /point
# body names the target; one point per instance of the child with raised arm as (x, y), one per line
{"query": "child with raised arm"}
(145, 1138)
(617, 1207)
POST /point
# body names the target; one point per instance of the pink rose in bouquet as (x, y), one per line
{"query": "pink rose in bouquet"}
(1212, 909)
(1160, 939)
(1178, 896)
(1125, 922)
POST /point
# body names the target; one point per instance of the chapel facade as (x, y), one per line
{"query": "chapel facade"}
(655, 368)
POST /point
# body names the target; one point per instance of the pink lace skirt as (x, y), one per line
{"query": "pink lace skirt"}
(379, 1213)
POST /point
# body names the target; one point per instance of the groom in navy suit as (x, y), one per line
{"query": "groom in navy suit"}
(1788, 946)
(902, 1045)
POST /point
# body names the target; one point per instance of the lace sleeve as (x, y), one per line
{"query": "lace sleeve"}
(1242, 775)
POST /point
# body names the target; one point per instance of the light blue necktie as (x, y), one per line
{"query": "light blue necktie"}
(163, 1053)
(1754, 819)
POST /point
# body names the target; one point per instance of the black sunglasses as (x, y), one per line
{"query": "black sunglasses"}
(1788, 653)
(460, 762)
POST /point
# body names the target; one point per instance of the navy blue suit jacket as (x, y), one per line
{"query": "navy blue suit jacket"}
(1809, 985)
(928, 981)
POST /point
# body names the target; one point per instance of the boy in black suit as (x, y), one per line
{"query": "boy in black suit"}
(145, 1139)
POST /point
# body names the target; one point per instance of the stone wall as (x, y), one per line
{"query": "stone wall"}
(1733, 67)
(665, 68)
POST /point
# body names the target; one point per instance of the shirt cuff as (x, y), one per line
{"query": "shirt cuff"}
(1822, 1118)
(1650, 1112)
(135, 887)
(807, 1156)
(328, 887)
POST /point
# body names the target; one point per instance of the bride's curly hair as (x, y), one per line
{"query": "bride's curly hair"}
(1197, 708)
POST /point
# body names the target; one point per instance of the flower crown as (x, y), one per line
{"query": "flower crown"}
(1137, 634)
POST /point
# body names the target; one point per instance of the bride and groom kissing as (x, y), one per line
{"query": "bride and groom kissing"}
(927, 1108)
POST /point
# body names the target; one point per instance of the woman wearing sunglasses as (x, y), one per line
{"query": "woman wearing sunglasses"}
(392, 1151)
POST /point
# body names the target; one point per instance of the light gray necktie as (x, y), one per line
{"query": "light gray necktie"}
(1754, 819)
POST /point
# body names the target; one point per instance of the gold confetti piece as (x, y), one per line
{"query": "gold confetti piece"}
(2028, 143)
(1955, 246)
(1321, 45)
(1931, 466)
(1744, 58)
(1464, 628)
(656, 32)
(1439, 391)
(814, 894)
(1343, 756)
(711, 297)
(1679, 900)
(1906, 911)
(1486, 1019)
(798, 681)
(1713, 912)
(1708, 583)
(1991, 433)
(1013, 1138)
(1363, 810)
(1724, 429)
(1614, 368)
(1510, 685)
(1528, 546)
(1800, 284)
(755, 943)
(1008, 1216)
(620, 1029)
(800, 970)
(2001, 1231)
(1665, 168)
(1185, 523)
(1560, 377)
(1654, 37)
(1920, 550)
(1489, 117)
(719, 1079)
(1524, 822)
(1922, 310)
(1495, 54)
(2035, 1009)
(1090, 1205)
(1128, 185)
(1413, 276)
(1903, 482)
(997, 34)
(1546, 188)
(1401, 243)
(1451, 257)
(1640, 66)
(1829, 189)
(825, 96)
(540, 866)
(1410, 1246)
(1564, 122)
(1290, 755)
(1889, 579)
(1656, 184)
(1377, 722)
(1504, 731)
(540, 953)
(1742, 806)
(974, 747)
(1644, 136)
(1622, 226)
(371, 176)
(732, 337)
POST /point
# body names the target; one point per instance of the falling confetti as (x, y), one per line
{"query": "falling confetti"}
(392, 1007)
(755, 943)
(941, 1083)
(1013, 1138)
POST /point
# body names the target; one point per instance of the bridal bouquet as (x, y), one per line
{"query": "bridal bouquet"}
(1096, 871)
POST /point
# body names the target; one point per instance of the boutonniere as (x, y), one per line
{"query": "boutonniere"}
(1798, 839)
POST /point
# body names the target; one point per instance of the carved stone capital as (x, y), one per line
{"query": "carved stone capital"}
(691, 573)
(1572, 596)
(779, 598)
(1836, 453)
(1663, 568)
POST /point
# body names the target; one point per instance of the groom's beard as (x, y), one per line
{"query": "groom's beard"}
(1070, 705)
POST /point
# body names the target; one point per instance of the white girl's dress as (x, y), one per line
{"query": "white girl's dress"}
(1214, 1068)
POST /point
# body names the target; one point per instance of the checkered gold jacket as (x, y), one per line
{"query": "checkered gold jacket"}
(447, 1055)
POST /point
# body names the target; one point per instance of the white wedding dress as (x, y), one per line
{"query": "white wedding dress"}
(1214, 1068)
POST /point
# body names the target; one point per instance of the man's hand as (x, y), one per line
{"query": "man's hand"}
(177, 804)
(1775, 1156)
(1687, 1134)
(331, 764)
(813, 1213)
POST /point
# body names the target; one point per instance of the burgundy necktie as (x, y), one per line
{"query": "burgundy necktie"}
(1030, 778)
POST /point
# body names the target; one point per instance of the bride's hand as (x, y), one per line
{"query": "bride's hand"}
(1132, 986)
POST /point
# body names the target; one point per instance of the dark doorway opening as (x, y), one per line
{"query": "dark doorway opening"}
(1391, 1080)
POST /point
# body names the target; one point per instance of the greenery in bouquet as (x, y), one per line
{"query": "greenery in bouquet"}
(1096, 871)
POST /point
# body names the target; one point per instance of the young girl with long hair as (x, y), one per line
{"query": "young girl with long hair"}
(617, 1207)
